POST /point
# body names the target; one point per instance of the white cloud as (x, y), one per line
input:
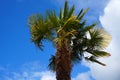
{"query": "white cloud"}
(31, 71)
(48, 76)
(83, 76)
(110, 21)
(44, 75)
(31, 75)
(28, 71)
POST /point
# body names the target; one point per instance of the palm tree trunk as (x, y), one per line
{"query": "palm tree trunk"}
(63, 62)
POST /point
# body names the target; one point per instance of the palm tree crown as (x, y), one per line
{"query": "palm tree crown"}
(69, 31)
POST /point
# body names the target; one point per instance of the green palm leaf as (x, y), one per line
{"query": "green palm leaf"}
(65, 10)
(82, 13)
(52, 62)
(99, 53)
(93, 59)
(99, 38)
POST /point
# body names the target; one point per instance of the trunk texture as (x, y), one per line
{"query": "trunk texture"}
(63, 62)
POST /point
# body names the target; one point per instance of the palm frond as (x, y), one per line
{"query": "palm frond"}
(81, 25)
(52, 62)
(40, 30)
(69, 34)
(76, 58)
(87, 28)
(66, 8)
(61, 14)
(70, 23)
(36, 21)
(99, 38)
(93, 59)
(98, 53)
(81, 14)
(52, 19)
(71, 11)
(34, 18)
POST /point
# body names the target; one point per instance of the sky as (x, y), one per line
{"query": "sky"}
(21, 60)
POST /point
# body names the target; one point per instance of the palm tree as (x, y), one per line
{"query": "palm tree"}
(71, 37)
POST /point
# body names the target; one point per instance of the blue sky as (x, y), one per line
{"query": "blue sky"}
(16, 47)
(20, 59)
